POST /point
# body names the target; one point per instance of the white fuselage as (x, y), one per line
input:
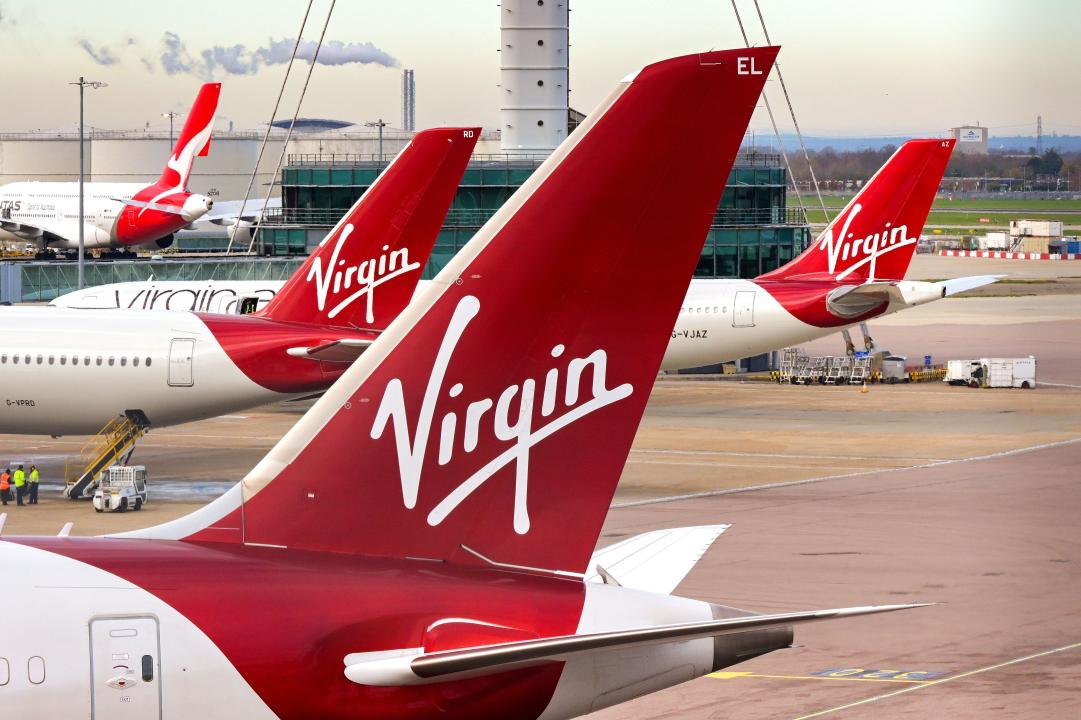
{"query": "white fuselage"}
(54, 206)
(69, 372)
(719, 321)
(98, 645)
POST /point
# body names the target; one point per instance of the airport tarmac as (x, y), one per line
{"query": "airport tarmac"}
(920, 493)
(994, 541)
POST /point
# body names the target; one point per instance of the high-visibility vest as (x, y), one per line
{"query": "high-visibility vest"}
(34, 476)
(20, 478)
(5, 481)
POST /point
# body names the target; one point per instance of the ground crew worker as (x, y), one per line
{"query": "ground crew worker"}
(20, 485)
(33, 481)
(5, 486)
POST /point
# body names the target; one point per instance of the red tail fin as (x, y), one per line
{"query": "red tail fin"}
(496, 413)
(875, 236)
(378, 250)
(194, 138)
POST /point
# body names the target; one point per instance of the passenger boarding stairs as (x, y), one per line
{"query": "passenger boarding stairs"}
(115, 441)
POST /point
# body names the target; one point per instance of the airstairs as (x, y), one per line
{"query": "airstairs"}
(112, 443)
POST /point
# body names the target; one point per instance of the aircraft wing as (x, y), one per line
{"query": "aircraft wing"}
(342, 351)
(415, 667)
(227, 212)
(23, 230)
(655, 561)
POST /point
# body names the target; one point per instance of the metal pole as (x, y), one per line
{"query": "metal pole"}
(381, 125)
(82, 251)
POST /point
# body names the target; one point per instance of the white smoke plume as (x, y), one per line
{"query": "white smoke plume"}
(240, 60)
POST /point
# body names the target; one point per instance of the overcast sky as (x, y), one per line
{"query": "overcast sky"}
(853, 67)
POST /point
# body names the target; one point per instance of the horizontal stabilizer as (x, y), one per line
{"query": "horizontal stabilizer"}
(160, 207)
(962, 284)
(397, 668)
(340, 351)
(654, 561)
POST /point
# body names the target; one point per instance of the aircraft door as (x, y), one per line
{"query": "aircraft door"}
(743, 309)
(181, 356)
(125, 667)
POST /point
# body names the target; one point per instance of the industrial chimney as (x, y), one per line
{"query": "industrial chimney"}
(534, 47)
(409, 102)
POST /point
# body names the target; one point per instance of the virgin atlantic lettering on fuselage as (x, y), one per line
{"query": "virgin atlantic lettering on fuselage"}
(720, 320)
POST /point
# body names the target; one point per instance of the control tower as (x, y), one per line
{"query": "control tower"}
(534, 47)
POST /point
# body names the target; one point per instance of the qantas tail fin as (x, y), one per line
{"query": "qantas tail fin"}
(875, 236)
(194, 138)
(366, 269)
(491, 421)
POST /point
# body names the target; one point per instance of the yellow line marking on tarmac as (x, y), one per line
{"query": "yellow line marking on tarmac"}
(731, 675)
(929, 683)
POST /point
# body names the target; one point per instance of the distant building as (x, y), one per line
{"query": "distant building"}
(971, 139)
(409, 102)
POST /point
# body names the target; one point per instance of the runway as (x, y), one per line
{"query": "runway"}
(994, 541)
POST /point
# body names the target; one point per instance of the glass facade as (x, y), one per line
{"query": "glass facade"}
(25, 281)
(753, 231)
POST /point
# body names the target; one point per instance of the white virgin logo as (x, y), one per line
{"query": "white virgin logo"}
(520, 431)
(868, 249)
(366, 276)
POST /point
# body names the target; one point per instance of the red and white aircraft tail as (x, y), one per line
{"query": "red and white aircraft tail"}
(194, 140)
(875, 236)
(366, 270)
(494, 416)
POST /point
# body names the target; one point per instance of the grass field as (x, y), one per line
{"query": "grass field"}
(965, 215)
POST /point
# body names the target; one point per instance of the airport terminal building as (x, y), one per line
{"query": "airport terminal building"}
(753, 230)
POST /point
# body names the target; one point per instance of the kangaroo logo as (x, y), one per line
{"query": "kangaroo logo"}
(181, 162)
(368, 275)
(868, 249)
(563, 408)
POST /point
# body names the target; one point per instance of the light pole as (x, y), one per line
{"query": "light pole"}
(378, 124)
(83, 84)
(171, 116)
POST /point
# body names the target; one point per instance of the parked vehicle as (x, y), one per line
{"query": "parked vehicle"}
(122, 488)
(993, 372)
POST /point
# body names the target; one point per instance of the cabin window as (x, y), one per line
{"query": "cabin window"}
(3, 358)
(5, 672)
(52, 359)
(148, 361)
(63, 359)
(86, 360)
(35, 669)
(26, 359)
(112, 360)
(41, 359)
(123, 362)
(135, 361)
(99, 359)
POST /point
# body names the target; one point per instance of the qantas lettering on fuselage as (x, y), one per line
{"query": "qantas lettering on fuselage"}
(867, 249)
(367, 275)
(521, 431)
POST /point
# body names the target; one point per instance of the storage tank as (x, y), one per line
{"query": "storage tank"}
(534, 49)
